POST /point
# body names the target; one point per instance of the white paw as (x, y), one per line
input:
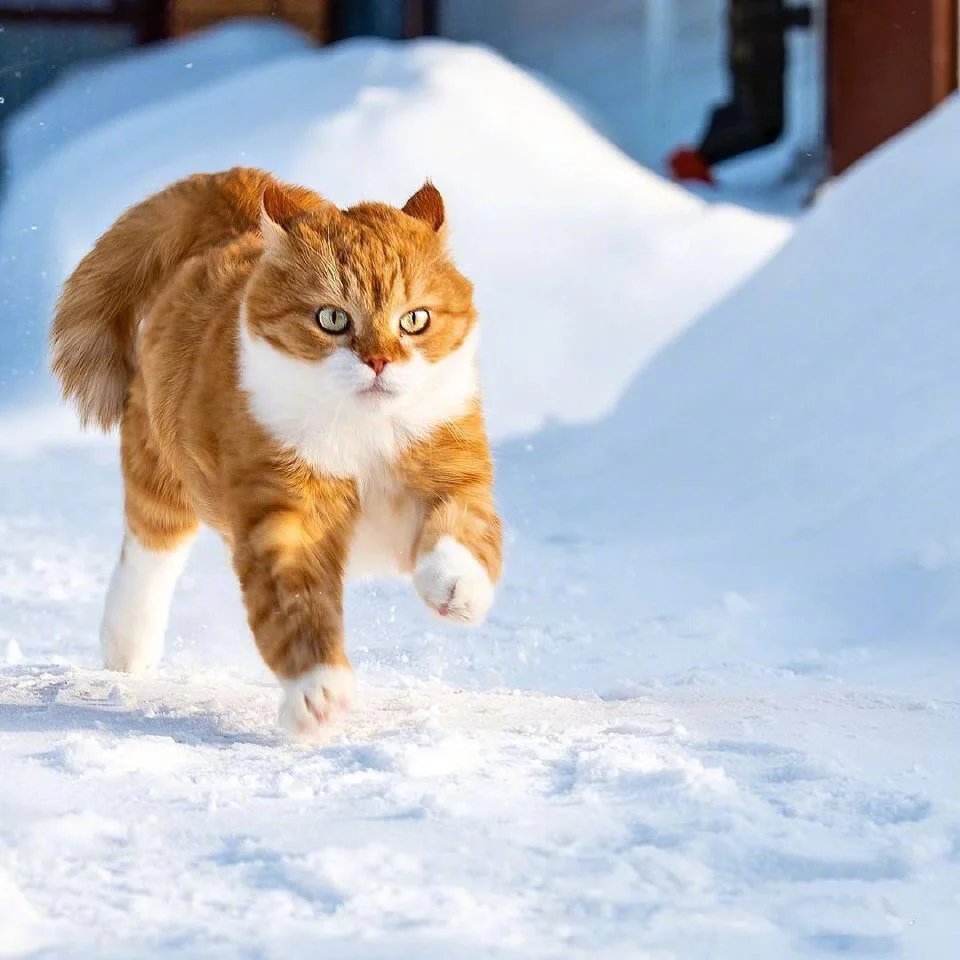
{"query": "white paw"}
(453, 582)
(312, 700)
(135, 650)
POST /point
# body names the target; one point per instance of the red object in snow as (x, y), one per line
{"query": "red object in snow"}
(687, 164)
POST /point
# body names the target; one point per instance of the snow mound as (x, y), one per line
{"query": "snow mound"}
(585, 264)
(803, 439)
(88, 96)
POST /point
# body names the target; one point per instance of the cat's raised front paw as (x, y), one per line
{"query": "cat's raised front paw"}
(453, 582)
(315, 698)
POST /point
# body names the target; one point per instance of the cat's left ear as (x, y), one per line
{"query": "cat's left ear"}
(280, 204)
(427, 205)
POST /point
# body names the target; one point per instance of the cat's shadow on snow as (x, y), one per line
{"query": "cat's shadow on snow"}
(99, 717)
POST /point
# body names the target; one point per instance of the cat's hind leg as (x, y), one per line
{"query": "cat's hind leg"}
(138, 604)
(160, 526)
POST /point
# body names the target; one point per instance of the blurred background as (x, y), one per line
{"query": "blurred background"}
(824, 81)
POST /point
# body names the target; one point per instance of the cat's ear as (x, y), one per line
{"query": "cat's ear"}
(427, 205)
(280, 204)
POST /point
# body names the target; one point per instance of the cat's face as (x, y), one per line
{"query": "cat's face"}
(366, 303)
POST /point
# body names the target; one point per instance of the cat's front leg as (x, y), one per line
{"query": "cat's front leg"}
(459, 559)
(289, 553)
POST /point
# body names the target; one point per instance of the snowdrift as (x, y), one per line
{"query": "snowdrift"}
(585, 264)
(803, 439)
(88, 96)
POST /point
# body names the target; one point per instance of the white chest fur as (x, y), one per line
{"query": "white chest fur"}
(314, 410)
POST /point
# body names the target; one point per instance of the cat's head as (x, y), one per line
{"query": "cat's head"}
(360, 307)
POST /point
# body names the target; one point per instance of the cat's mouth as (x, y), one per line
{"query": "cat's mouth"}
(377, 390)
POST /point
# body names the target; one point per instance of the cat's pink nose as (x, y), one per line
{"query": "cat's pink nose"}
(376, 364)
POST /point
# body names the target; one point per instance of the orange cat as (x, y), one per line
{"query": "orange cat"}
(302, 379)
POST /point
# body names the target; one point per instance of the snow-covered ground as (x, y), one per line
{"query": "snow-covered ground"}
(715, 712)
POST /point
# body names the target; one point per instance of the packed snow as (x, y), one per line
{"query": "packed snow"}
(714, 712)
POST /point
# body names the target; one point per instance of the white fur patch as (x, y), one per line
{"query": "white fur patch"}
(317, 408)
(138, 605)
(453, 582)
(385, 531)
(313, 699)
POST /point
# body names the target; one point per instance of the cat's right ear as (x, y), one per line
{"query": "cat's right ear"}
(427, 205)
(280, 204)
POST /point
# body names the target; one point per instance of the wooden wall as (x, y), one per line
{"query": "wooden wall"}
(311, 16)
(889, 62)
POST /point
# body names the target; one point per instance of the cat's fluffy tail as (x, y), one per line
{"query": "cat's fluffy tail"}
(94, 332)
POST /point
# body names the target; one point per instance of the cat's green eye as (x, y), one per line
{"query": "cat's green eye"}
(416, 321)
(333, 319)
